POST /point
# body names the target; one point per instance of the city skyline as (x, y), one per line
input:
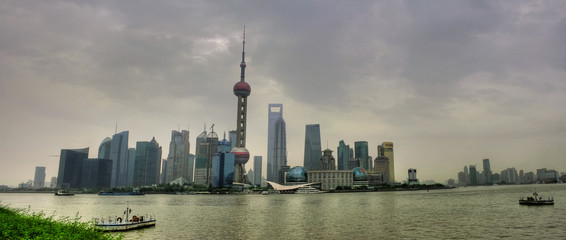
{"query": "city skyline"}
(476, 79)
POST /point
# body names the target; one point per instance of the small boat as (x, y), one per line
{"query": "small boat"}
(536, 200)
(308, 190)
(135, 192)
(64, 193)
(126, 223)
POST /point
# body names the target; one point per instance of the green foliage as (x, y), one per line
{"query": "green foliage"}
(22, 224)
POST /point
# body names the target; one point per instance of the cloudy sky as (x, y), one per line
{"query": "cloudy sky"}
(449, 82)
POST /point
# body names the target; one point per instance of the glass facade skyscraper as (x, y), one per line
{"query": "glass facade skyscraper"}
(276, 143)
(258, 167)
(486, 171)
(361, 152)
(119, 157)
(39, 178)
(343, 153)
(71, 167)
(313, 149)
(178, 158)
(148, 159)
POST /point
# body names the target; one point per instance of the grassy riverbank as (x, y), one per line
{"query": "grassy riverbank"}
(21, 224)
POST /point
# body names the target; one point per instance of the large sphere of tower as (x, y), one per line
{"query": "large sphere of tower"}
(242, 89)
(241, 155)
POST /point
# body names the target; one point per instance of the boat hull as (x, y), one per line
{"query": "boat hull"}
(536, 203)
(115, 227)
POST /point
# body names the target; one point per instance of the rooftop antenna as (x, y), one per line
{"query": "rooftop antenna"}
(116, 130)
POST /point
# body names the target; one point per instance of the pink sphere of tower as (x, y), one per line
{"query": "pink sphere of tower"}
(241, 155)
(242, 89)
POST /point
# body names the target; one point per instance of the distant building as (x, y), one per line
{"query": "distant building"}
(466, 176)
(509, 176)
(547, 175)
(71, 167)
(412, 176)
(96, 173)
(353, 163)
(276, 142)
(53, 183)
(200, 171)
(119, 157)
(104, 148)
(473, 176)
(313, 149)
(223, 166)
(39, 178)
(361, 152)
(381, 166)
(343, 153)
(258, 167)
(148, 158)
(388, 152)
(163, 179)
(327, 161)
(486, 172)
(131, 167)
(178, 158)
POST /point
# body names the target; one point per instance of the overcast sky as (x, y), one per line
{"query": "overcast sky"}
(448, 82)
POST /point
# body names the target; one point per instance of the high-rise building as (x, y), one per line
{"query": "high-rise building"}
(242, 90)
(466, 175)
(131, 166)
(96, 173)
(178, 158)
(223, 165)
(473, 176)
(381, 166)
(39, 178)
(119, 157)
(276, 143)
(327, 161)
(104, 148)
(486, 172)
(343, 155)
(53, 183)
(258, 169)
(388, 152)
(361, 152)
(148, 159)
(163, 179)
(412, 176)
(313, 149)
(71, 167)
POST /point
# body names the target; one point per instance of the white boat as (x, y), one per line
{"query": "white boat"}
(64, 193)
(126, 223)
(308, 190)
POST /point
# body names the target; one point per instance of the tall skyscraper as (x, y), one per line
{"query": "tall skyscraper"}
(258, 167)
(343, 155)
(71, 167)
(119, 157)
(39, 178)
(148, 159)
(381, 166)
(276, 142)
(96, 173)
(466, 175)
(361, 152)
(242, 90)
(163, 179)
(486, 171)
(313, 149)
(223, 165)
(131, 166)
(388, 152)
(104, 149)
(473, 176)
(178, 158)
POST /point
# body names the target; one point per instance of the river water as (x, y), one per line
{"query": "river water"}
(487, 212)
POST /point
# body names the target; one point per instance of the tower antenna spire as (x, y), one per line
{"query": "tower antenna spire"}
(243, 63)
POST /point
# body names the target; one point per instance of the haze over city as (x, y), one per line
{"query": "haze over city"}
(448, 82)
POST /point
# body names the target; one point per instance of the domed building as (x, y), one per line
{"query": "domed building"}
(296, 174)
(360, 174)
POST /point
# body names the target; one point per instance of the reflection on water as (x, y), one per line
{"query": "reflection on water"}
(473, 212)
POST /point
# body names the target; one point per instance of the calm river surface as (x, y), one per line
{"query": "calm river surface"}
(465, 213)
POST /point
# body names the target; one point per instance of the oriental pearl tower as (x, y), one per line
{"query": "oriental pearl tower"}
(242, 90)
